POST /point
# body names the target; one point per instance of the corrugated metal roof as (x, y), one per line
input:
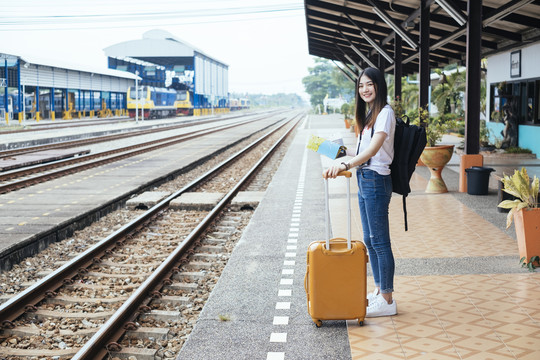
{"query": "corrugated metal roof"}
(158, 47)
(55, 63)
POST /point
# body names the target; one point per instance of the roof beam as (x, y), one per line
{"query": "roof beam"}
(349, 76)
(506, 9)
(452, 10)
(370, 40)
(358, 52)
(391, 22)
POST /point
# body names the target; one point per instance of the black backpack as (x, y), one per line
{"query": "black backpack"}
(409, 142)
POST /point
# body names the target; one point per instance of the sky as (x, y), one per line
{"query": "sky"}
(264, 42)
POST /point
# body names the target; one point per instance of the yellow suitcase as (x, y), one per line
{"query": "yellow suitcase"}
(335, 281)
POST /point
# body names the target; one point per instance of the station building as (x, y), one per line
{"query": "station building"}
(513, 89)
(166, 62)
(36, 88)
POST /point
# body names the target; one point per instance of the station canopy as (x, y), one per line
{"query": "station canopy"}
(158, 47)
(359, 31)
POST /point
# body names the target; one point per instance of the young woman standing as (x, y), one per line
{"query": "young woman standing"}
(373, 156)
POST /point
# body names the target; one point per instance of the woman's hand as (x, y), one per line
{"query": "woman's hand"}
(332, 171)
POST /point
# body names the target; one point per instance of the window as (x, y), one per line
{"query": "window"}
(523, 97)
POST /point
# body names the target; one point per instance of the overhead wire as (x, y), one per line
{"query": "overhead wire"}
(59, 20)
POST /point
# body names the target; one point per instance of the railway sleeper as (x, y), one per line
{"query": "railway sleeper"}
(43, 315)
(212, 249)
(197, 265)
(183, 286)
(226, 229)
(152, 333)
(137, 275)
(85, 286)
(28, 331)
(173, 300)
(40, 353)
(67, 300)
(206, 257)
(215, 241)
(189, 276)
(221, 235)
(138, 353)
(161, 315)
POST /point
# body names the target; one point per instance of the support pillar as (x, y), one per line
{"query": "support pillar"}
(425, 78)
(472, 111)
(398, 70)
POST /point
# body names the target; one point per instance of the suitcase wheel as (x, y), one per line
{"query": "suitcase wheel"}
(318, 323)
(361, 322)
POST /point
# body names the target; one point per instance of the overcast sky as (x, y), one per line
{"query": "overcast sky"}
(264, 42)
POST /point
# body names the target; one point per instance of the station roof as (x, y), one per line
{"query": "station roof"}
(158, 47)
(336, 28)
(59, 64)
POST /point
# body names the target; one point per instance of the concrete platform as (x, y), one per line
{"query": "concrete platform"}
(458, 281)
(146, 200)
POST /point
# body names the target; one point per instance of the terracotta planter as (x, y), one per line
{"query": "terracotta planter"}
(435, 158)
(527, 223)
(347, 124)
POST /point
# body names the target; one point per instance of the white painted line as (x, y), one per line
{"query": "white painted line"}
(289, 262)
(275, 356)
(283, 305)
(278, 337)
(292, 247)
(290, 254)
(286, 282)
(281, 320)
(285, 292)
(293, 235)
(292, 241)
(287, 271)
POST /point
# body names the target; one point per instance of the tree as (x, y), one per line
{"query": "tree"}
(325, 79)
(447, 95)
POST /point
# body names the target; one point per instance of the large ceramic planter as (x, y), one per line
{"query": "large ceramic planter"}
(435, 158)
(527, 223)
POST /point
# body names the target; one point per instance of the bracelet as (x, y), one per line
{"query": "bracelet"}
(347, 166)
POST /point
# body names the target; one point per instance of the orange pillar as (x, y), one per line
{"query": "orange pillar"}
(467, 161)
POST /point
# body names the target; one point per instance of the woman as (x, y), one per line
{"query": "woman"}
(374, 154)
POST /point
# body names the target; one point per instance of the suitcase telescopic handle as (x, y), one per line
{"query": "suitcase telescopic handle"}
(348, 175)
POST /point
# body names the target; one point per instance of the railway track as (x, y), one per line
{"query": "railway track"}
(121, 134)
(132, 293)
(21, 178)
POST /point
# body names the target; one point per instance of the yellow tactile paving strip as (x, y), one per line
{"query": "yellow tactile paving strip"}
(491, 316)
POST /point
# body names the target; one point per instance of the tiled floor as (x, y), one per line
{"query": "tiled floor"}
(470, 316)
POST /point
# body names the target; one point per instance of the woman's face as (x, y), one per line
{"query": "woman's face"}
(366, 90)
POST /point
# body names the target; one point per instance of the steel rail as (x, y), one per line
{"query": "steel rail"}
(112, 330)
(12, 308)
(104, 158)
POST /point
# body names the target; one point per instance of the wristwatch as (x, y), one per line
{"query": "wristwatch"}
(347, 165)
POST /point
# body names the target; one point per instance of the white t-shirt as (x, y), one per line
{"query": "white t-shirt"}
(386, 123)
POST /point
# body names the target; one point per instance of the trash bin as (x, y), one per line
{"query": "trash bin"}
(478, 180)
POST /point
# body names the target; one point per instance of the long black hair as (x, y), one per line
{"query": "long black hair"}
(381, 93)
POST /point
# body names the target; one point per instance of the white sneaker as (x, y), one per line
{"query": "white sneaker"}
(372, 296)
(379, 307)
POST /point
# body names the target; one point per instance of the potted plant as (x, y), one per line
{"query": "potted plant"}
(525, 212)
(434, 156)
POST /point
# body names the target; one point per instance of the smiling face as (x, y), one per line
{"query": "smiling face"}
(367, 90)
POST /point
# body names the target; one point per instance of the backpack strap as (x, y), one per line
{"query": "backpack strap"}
(405, 212)
(360, 141)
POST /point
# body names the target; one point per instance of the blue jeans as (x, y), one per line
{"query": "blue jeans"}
(374, 193)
